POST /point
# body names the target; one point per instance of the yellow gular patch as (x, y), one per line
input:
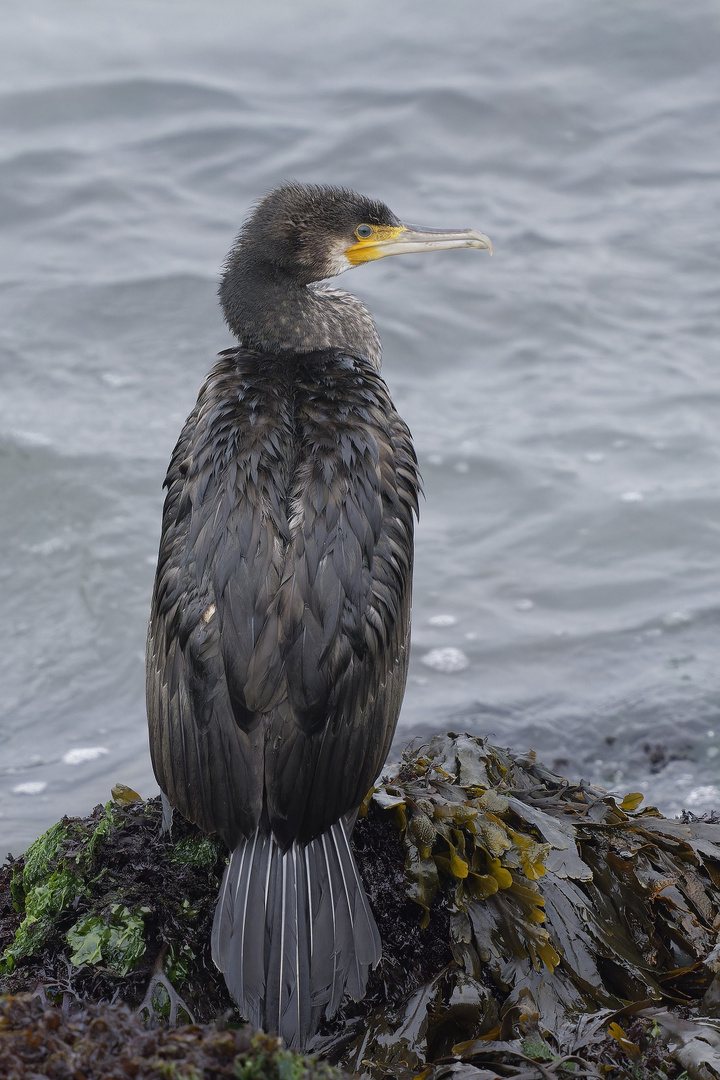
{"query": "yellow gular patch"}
(372, 246)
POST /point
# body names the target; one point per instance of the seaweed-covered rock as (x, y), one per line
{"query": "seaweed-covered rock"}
(97, 903)
(562, 901)
(526, 921)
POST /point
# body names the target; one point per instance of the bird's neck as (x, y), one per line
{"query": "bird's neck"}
(273, 312)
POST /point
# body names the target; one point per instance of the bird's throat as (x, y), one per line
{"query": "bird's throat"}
(273, 313)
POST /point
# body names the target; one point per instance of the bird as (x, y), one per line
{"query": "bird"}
(278, 642)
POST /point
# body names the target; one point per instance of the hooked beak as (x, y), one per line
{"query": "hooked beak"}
(406, 239)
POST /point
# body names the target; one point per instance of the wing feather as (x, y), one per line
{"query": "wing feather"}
(347, 587)
(219, 564)
(278, 644)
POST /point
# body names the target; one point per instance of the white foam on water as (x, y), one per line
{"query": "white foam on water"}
(80, 754)
(30, 787)
(448, 660)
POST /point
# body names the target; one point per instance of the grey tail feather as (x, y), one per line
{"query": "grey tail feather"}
(293, 932)
(167, 814)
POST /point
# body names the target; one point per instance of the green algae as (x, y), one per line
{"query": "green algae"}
(43, 890)
(43, 904)
(55, 874)
(197, 851)
(114, 939)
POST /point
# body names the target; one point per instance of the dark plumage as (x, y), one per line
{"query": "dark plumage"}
(279, 633)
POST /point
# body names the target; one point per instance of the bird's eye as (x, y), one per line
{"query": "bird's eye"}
(363, 232)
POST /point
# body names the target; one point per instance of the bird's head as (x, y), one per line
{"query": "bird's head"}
(312, 232)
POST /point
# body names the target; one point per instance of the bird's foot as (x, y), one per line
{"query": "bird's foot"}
(159, 980)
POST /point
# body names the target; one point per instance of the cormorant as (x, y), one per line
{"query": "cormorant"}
(279, 634)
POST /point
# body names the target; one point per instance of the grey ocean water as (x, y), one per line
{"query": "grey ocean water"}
(564, 395)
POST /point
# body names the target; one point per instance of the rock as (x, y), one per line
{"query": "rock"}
(523, 917)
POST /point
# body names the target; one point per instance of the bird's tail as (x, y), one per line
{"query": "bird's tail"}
(293, 932)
